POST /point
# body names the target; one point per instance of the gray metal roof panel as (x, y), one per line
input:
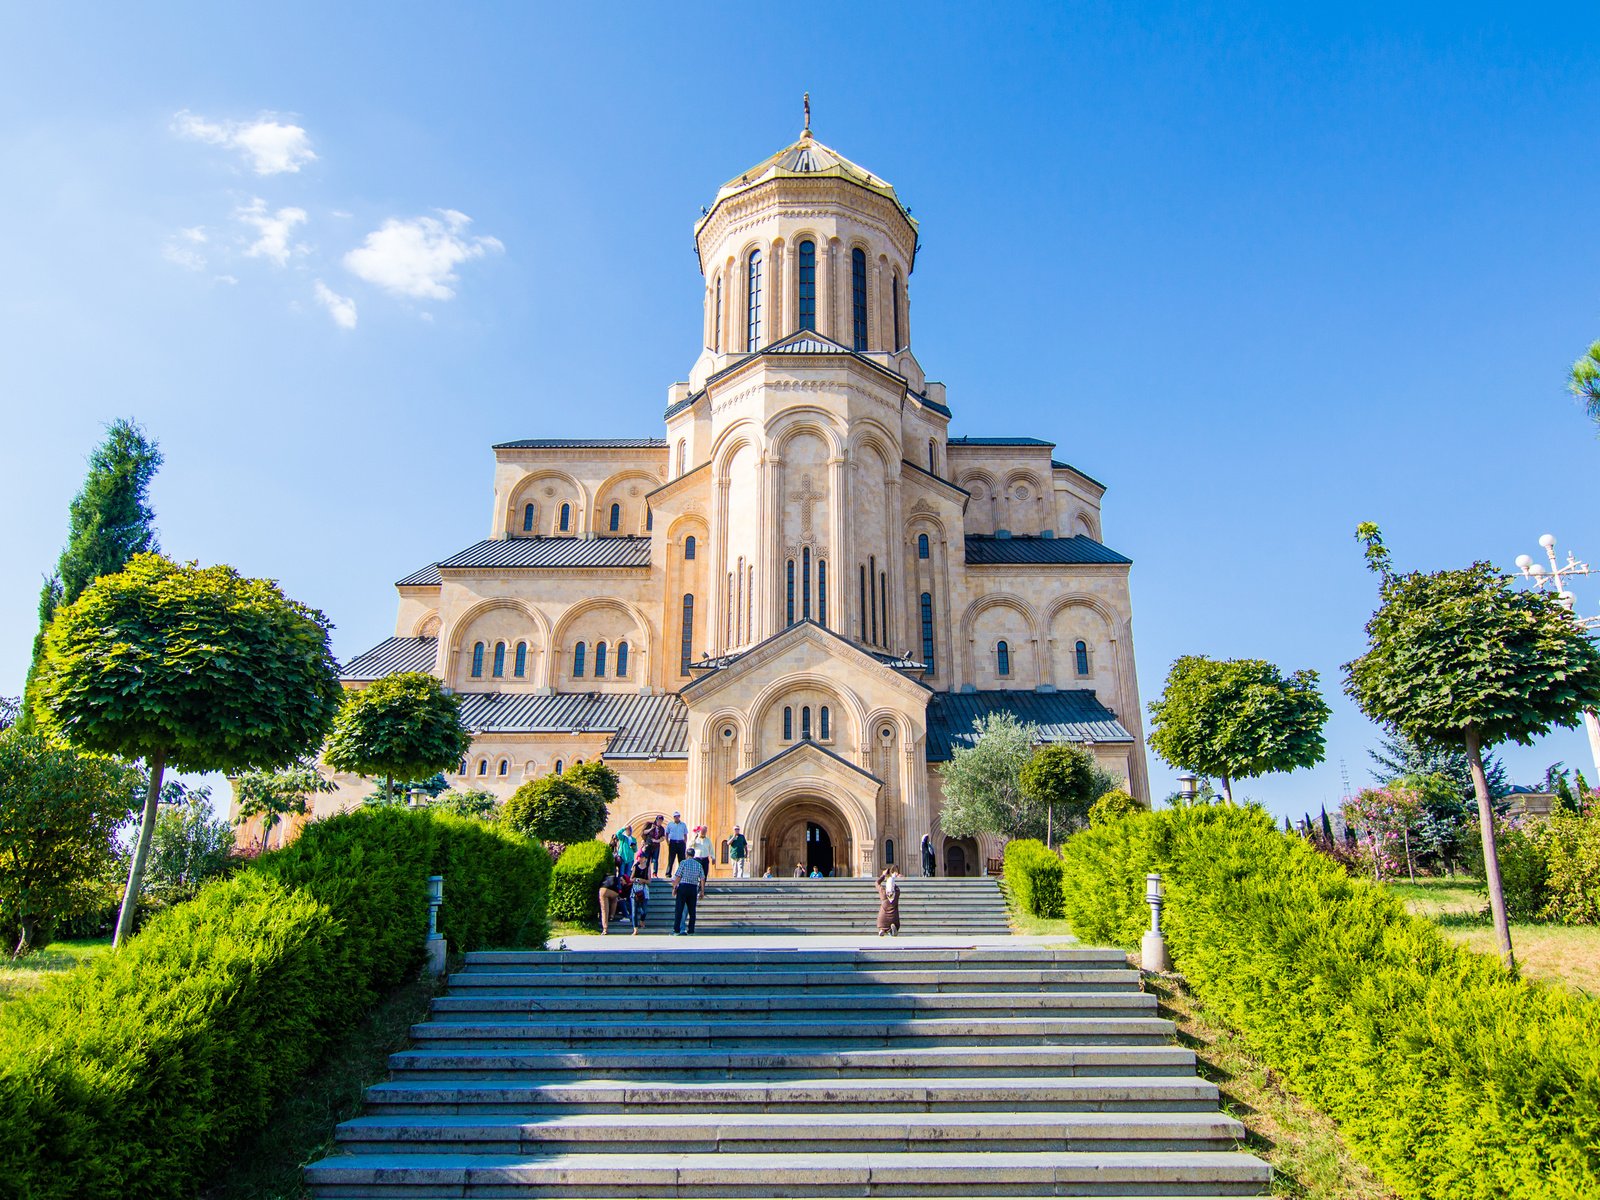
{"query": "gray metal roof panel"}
(428, 576)
(926, 402)
(985, 551)
(1069, 716)
(582, 444)
(999, 441)
(553, 552)
(641, 726)
(392, 656)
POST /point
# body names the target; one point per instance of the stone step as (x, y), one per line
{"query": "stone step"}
(513, 980)
(720, 1063)
(992, 1094)
(869, 1005)
(688, 957)
(793, 1131)
(1007, 1173)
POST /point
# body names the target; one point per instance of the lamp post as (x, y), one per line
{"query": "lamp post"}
(1556, 578)
(1188, 787)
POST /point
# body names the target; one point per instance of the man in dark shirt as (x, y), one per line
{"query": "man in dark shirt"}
(688, 884)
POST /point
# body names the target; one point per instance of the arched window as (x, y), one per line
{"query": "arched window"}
(716, 341)
(688, 547)
(622, 660)
(477, 660)
(688, 633)
(649, 519)
(862, 605)
(522, 659)
(872, 589)
(788, 576)
(883, 604)
(788, 724)
(1081, 652)
(822, 723)
(499, 659)
(805, 723)
(752, 303)
(527, 518)
(558, 766)
(463, 770)
(922, 545)
(683, 454)
(505, 766)
(1002, 653)
(895, 299)
(577, 660)
(566, 517)
(858, 298)
(616, 517)
(808, 285)
(805, 583)
(822, 592)
(483, 766)
(599, 660)
(927, 631)
(933, 450)
(888, 852)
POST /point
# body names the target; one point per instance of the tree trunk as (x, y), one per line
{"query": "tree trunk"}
(27, 934)
(1227, 789)
(1405, 834)
(1491, 856)
(388, 789)
(141, 851)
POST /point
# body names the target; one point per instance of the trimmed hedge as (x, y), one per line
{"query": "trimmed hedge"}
(1033, 877)
(1452, 1078)
(134, 1075)
(575, 885)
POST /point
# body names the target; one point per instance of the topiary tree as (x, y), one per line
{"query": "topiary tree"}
(596, 777)
(274, 795)
(1064, 780)
(1237, 719)
(402, 726)
(1463, 658)
(554, 809)
(1113, 805)
(200, 669)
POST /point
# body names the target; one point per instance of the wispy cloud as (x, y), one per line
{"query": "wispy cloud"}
(183, 248)
(273, 230)
(341, 308)
(269, 145)
(419, 257)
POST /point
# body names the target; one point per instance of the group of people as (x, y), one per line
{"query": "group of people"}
(625, 891)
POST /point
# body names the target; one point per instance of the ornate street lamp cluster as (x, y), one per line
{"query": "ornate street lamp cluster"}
(1556, 578)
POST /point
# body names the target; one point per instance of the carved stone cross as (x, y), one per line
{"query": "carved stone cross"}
(806, 497)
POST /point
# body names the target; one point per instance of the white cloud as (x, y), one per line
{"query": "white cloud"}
(271, 147)
(419, 257)
(180, 248)
(228, 279)
(341, 308)
(273, 230)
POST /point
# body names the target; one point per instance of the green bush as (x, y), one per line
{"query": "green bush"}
(554, 809)
(1033, 877)
(1452, 1078)
(133, 1076)
(575, 885)
(1112, 805)
(1572, 859)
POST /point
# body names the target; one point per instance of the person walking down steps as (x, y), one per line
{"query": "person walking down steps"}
(688, 884)
(677, 841)
(643, 868)
(929, 859)
(889, 902)
(737, 849)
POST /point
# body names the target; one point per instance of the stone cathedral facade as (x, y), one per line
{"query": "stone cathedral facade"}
(785, 610)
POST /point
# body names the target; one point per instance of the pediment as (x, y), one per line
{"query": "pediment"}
(805, 648)
(812, 760)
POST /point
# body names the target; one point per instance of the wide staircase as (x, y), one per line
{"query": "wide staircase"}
(888, 1071)
(954, 907)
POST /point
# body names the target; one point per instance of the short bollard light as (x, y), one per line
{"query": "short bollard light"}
(1153, 947)
(436, 942)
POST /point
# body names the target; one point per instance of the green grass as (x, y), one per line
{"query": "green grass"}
(24, 975)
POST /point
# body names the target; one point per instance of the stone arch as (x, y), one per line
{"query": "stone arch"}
(457, 673)
(645, 644)
(428, 624)
(1084, 525)
(548, 505)
(969, 622)
(633, 507)
(772, 802)
(772, 696)
(1099, 634)
(804, 419)
(741, 434)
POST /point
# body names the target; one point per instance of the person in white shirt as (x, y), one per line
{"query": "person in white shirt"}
(677, 840)
(703, 849)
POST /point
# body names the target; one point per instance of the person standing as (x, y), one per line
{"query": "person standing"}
(889, 901)
(640, 895)
(929, 859)
(627, 848)
(688, 884)
(655, 832)
(612, 889)
(737, 849)
(703, 849)
(677, 841)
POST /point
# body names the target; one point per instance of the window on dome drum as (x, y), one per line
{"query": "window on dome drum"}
(822, 722)
(483, 766)
(477, 660)
(716, 344)
(688, 547)
(616, 517)
(862, 605)
(888, 852)
(858, 299)
(1081, 652)
(504, 766)
(566, 517)
(922, 545)
(822, 592)
(805, 583)
(788, 724)
(895, 297)
(788, 574)
(927, 631)
(499, 659)
(883, 604)
(527, 518)
(577, 660)
(599, 660)
(808, 285)
(622, 660)
(872, 588)
(805, 723)
(521, 667)
(752, 303)
(1002, 654)
(688, 634)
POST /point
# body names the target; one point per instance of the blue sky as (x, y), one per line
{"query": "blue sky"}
(1265, 274)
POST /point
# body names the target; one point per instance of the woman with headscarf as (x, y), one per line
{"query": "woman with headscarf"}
(889, 901)
(929, 859)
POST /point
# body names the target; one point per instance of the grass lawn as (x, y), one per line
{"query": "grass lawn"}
(1565, 954)
(29, 974)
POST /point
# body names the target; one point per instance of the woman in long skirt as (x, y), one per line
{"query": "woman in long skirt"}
(889, 902)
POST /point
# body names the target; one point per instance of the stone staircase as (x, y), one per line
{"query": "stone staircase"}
(945, 907)
(888, 1071)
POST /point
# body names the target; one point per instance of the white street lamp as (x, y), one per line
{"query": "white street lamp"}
(1555, 578)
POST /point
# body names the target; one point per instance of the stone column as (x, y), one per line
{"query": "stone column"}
(893, 637)
(840, 572)
(825, 288)
(716, 642)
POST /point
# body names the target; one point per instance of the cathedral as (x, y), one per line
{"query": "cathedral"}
(786, 611)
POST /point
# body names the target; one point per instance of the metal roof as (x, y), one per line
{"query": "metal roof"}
(428, 576)
(986, 551)
(808, 343)
(926, 402)
(1058, 465)
(582, 444)
(553, 552)
(998, 441)
(1070, 716)
(392, 656)
(641, 726)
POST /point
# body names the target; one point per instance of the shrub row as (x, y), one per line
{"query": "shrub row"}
(132, 1076)
(575, 885)
(1550, 867)
(1033, 877)
(1451, 1077)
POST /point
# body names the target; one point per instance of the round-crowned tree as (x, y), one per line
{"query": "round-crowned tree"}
(403, 726)
(554, 809)
(195, 668)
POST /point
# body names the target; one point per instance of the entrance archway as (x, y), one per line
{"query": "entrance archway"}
(960, 857)
(805, 832)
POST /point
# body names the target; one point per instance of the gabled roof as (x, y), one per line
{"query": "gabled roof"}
(710, 666)
(1070, 716)
(641, 726)
(390, 657)
(985, 551)
(582, 444)
(540, 553)
(798, 747)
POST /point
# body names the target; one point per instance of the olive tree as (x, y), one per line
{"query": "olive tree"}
(1463, 658)
(983, 790)
(403, 726)
(188, 667)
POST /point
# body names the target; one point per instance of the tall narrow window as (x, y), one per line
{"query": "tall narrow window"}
(558, 766)
(895, 300)
(788, 608)
(788, 724)
(872, 590)
(505, 765)
(616, 517)
(483, 766)
(499, 659)
(927, 631)
(805, 583)
(858, 298)
(727, 633)
(822, 592)
(822, 719)
(888, 852)
(649, 519)
(683, 455)
(883, 604)
(805, 723)
(752, 304)
(808, 285)
(688, 547)
(477, 660)
(527, 518)
(688, 634)
(922, 545)
(566, 517)
(622, 660)
(599, 660)
(738, 603)
(521, 668)
(577, 660)
(1002, 653)
(1081, 652)
(862, 604)
(933, 467)
(716, 333)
